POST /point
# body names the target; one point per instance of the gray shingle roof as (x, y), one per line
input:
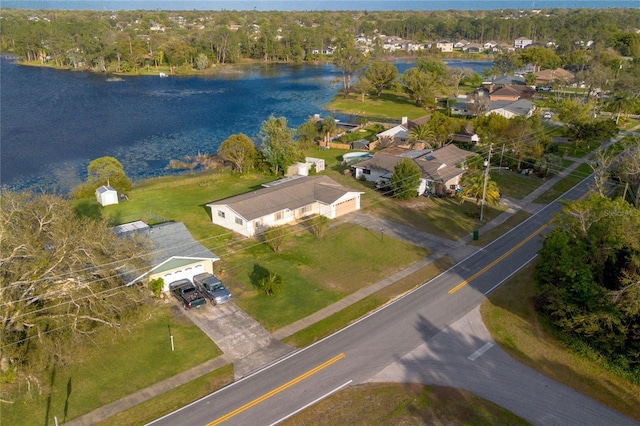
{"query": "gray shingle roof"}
(289, 195)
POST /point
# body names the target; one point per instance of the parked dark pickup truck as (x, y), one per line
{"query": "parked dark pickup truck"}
(212, 287)
(187, 294)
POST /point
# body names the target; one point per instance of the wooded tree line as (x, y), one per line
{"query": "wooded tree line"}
(588, 277)
(129, 40)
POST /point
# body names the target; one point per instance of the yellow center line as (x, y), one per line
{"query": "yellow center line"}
(498, 260)
(276, 390)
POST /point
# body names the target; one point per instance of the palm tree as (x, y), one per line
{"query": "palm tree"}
(424, 134)
(549, 162)
(473, 187)
(622, 103)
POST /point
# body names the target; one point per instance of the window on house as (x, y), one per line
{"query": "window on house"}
(453, 187)
(366, 171)
(305, 209)
(239, 221)
(279, 216)
(221, 214)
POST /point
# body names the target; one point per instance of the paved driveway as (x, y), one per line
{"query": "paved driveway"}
(240, 337)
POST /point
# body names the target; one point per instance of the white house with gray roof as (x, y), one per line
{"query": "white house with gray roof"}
(175, 254)
(285, 201)
(441, 169)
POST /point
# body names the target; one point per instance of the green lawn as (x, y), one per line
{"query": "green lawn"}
(515, 185)
(389, 106)
(113, 367)
(566, 183)
(318, 272)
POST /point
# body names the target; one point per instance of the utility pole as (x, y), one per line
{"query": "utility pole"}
(487, 165)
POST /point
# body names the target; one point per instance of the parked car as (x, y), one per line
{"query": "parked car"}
(187, 294)
(543, 88)
(547, 115)
(212, 287)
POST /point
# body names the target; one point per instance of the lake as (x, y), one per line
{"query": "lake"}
(53, 123)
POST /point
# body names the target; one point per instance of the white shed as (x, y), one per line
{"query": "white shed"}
(106, 195)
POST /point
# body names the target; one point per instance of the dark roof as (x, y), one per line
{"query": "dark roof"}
(288, 195)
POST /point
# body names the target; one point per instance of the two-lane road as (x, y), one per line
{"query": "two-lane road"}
(365, 348)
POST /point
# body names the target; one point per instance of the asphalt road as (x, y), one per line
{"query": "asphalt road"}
(403, 341)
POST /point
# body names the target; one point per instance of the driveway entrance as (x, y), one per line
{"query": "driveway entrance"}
(240, 337)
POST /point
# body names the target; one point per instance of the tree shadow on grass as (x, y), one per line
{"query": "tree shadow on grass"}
(257, 275)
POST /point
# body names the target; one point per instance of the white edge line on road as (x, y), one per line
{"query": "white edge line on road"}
(511, 274)
(477, 354)
(311, 403)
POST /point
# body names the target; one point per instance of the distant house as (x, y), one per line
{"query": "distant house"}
(461, 43)
(489, 45)
(510, 109)
(175, 255)
(522, 42)
(472, 48)
(510, 92)
(106, 195)
(445, 46)
(557, 75)
(441, 168)
(282, 202)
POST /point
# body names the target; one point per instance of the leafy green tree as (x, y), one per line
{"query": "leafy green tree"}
(539, 57)
(62, 279)
(319, 225)
(103, 171)
(549, 163)
(420, 86)
(278, 147)
(457, 75)
(588, 279)
(505, 63)
(349, 61)
(275, 236)
(405, 179)
(308, 132)
(435, 67)
(239, 150)
(156, 286)
(381, 75)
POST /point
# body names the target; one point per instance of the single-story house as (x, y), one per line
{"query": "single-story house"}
(461, 43)
(522, 42)
(441, 168)
(472, 48)
(553, 76)
(510, 109)
(509, 92)
(106, 195)
(175, 255)
(282, 202)
(397, 135)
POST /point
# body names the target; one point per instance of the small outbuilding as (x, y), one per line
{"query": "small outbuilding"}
(106, 195)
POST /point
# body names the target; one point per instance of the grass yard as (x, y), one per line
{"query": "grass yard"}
(516, 185)
(566, 183)
(444, 217)
(160, 405)
(318, 272)
(132, 362)
(343, 318)
(389, 106)
(510, 316)
(404, 404)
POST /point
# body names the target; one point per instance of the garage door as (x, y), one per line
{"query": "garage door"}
(345, 207)
(188, 273)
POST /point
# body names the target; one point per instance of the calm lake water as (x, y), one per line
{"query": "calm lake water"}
(53, 123)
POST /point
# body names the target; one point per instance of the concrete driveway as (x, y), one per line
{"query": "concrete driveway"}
(240, 337)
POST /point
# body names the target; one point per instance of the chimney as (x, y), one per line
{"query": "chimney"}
(405, 120)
